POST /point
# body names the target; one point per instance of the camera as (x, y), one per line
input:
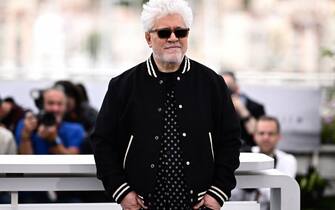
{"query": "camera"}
(46, 118)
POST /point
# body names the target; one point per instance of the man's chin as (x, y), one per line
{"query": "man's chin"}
(173, 59)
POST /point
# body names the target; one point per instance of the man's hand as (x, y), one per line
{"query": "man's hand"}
(132, 202)
(48, 132)
(209, 202)
(240, 108)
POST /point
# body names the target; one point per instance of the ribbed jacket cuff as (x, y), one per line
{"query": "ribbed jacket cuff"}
(121, 192)
(218, 194)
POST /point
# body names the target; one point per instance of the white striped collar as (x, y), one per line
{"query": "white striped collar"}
(152, 72)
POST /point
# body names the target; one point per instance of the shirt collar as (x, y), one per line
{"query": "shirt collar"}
(153, 70)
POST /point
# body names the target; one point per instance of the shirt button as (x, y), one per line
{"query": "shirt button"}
(159, 109)
(180, 106)
(152, 165)
(160, 82)
(184, 134)
(188, 163)
(178, 78)
(191, 191)
(156, 137)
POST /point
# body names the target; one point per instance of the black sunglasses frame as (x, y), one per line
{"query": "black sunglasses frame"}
(165, 33)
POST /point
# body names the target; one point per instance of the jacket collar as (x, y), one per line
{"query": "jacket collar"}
(152, 68)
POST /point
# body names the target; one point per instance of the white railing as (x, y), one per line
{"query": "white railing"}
(77, 173)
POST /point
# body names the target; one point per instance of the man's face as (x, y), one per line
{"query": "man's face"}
(54, 101)
(168, 50)
(266, 136)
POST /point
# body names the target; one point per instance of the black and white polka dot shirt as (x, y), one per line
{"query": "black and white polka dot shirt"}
(171, 190)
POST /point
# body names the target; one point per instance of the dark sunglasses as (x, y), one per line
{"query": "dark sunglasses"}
(165, 33)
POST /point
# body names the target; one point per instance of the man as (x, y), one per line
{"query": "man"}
(55, 137)
(49, 134)
(267, 136)
(167, 135)
(248, 110)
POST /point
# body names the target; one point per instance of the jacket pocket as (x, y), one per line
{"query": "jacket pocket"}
(126, 154)
(211, 143)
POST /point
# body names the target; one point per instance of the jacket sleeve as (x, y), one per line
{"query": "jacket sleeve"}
(226, 147)
(105, 146)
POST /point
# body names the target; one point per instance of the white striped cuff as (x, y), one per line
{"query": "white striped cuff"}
(119, 191)
(219, 193)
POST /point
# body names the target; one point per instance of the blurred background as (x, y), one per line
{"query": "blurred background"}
(282, 52)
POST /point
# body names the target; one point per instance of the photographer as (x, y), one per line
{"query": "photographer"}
(47, 133)
(247, 109)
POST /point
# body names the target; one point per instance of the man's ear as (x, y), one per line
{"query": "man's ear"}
(148, 38)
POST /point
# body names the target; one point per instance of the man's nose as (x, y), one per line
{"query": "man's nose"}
(172, 37)
(54, 108)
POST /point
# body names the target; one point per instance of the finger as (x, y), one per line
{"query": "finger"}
(141, 203)
(201, 203)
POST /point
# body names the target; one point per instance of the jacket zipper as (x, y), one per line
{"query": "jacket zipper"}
(125, 155)
(211, 142)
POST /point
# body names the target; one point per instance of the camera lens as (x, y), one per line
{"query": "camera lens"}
(47, 119)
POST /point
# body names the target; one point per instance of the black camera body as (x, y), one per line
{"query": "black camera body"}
(46, 118)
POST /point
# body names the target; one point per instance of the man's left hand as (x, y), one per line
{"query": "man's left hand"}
(209, 202)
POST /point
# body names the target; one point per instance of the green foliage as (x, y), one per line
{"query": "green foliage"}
(312, 187)
(325, 52)
(328, 132)
(328, 117)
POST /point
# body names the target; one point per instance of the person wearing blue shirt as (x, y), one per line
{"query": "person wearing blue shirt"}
(33, 136)
(47, 133)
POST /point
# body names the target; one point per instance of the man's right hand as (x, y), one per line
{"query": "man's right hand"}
(132, 202)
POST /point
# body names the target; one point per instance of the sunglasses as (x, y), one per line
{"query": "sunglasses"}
(165, 33)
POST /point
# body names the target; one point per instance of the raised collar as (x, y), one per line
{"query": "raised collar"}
(153, 70)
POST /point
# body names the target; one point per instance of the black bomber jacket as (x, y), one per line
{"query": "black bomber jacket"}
(126, 137)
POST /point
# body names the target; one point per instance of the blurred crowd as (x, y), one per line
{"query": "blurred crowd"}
(62, 125)
(65, 120)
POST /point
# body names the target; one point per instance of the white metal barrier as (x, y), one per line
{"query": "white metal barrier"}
(77, 173)
(112, 206)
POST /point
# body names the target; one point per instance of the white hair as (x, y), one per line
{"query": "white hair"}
(154, 9)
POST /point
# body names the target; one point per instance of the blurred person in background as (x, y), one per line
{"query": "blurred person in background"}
(83, 92)
(77, 106)
(167, 135)
(248, 110)
(267, 135)
(89, 112)
(10, 113)
(48, 133)
(79, 110)
(7, 141)
(7, 147)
